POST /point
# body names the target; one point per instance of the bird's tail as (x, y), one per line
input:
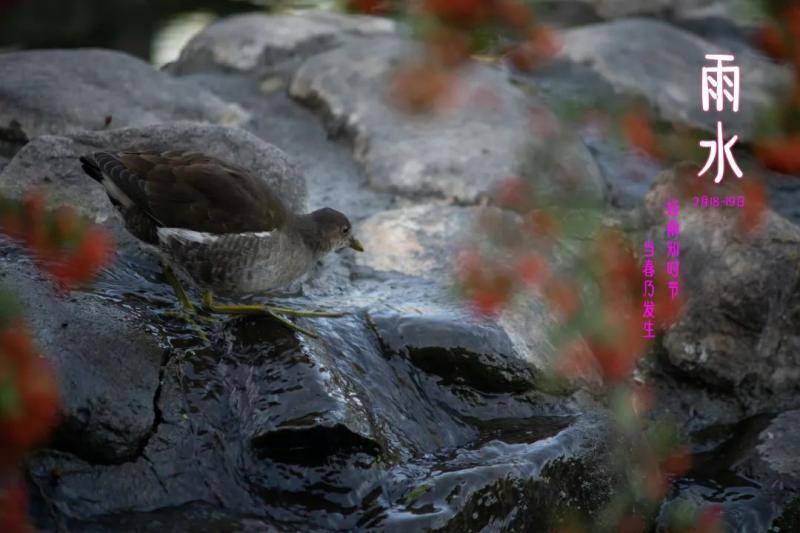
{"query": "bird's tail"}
(90, 167)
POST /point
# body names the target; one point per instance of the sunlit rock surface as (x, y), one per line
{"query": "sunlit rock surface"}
(253, 42)
(458, 155)
(60, 91)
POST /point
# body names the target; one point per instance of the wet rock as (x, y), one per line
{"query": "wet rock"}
(253, 42)
(470, 352)
(663, 64)
(12, 138)
(503, 484)
(776, 448)
(61, 91)
(740, 329)
(459, 155)
(314, 433)
(51, 162)
(107, 364)
(752, 475)
(422, 241)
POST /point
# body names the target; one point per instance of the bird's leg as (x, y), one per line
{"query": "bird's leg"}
(184, 300)
(250, 309)
(187, 311)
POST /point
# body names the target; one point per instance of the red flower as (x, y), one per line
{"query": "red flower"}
(92, 254)
(459, 12)
(540, 45)
(710, 520)
(13, 509)
(677, 463)
(772, 40)
(448, 47)
(632, 524)
(370, 7)
(638, 131)
(532, 268)
(755, 204)
(514, 13)
(543, 225)
(513, 193)
(781, 154)
(563, 297)
(422, 88)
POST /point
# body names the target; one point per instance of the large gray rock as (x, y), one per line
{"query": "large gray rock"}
(741, 329)
(423, 241)
(663, 64)
(458, 154)
(627, 8)
(51, 162)
(107, 363)
(252, 42)
(60, 91)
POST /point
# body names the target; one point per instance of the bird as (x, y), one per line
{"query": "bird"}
(218, 226)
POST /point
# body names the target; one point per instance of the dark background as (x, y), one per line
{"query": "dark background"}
(128, 25)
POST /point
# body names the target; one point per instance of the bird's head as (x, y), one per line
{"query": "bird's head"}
(332, 231)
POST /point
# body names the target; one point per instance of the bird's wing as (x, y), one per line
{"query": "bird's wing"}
(193, 191)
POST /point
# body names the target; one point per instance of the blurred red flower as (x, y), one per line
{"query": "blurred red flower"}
(422, 88)
(540, 45)
(370, 7)
(514, 13)
(13, 508)
(755, 205)
(532, 269)
(780, 154)
(637, 129)
(464, 13)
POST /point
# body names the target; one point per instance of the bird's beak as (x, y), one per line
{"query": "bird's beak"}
(356, 245)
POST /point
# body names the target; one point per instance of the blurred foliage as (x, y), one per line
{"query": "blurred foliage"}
(596, 293)
(72, 251)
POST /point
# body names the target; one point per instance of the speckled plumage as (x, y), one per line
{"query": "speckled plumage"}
(217, 225)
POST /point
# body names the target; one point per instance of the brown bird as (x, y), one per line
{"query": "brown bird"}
(217, 225)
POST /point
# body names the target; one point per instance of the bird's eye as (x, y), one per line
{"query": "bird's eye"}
(346, 230)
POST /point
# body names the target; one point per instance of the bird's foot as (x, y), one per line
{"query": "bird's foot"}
(303, 313)
(190, 316)
(256, 309)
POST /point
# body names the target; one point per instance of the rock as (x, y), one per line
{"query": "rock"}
(776, 449)
(754, 473)
(663, 64)
(107, 364)
(627, 8)
(458, 155)
(470, 352)
(503, 484)
(317, 431)
(422, 241)
(51, 162)
(332, 177)
(62, 91)
(739, 333)
(253, 42)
